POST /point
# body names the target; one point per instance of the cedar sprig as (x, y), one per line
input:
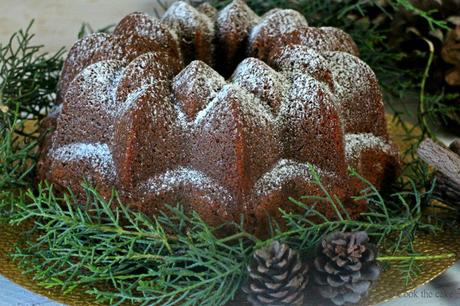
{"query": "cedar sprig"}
(16, 154)
(393, 219)
(122, 256)
(28, 79)
(28, 76)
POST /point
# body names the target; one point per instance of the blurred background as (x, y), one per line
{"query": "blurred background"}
(57, 23)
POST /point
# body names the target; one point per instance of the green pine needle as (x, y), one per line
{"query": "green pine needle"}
(28, 77)
(123, 256)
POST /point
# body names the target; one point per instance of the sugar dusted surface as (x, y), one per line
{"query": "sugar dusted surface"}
(250, 106)
(147, 26)
(297, 58)
(85, 47)
(305, 88)
(278, 22)
(184, 15)
(236, 12)
(98, 81)
(261, 80)
(181, 177)
(99, 155)
(284, 171)
(348, 74)
(297, 86)
(131, 99)
(199, 80)
(356, 143)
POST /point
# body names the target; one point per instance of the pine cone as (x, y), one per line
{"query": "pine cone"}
(345, 267)
(277, 276)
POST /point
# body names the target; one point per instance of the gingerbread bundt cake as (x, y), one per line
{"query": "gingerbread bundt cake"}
(221, 111)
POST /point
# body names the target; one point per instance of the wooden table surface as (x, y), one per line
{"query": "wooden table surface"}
(56, 25)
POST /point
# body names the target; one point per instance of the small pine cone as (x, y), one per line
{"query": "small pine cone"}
(277, 276)
(345, 267)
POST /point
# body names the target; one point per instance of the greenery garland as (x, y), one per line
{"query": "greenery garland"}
(122, 256)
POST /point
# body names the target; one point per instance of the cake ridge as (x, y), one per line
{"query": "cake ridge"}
(283, 171)
(171, 179)
(186, 20)
(261, 80)
(354, 143)
(286, 20)
(204, 84)
(98, 154)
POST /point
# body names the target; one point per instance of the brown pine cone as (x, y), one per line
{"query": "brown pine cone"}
(345, 267)
(277, 276)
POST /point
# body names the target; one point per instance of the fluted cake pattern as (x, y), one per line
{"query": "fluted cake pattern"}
(220, 111)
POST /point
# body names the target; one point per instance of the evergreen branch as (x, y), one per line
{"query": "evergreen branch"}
(28, 78)
(16, 154)
(423, 115)
(28, 81)
(381, 223)
(427, 15)
(151, 261)
(409, 270)
(122, 256)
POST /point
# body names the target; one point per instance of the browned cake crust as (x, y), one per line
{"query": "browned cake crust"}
(219, 111)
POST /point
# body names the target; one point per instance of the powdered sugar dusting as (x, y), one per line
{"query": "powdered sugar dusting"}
(295, 59)
(141, 24)
(183, 177)
(340, 40)
(182, 16)
(97, 83)
(261, 80)
(83, 49)
(99, 155)
(350, 74)
(356, 143)
(196, 86)
(277, 22)
(284, 171)
(237, 12)
(250, 106)
(131, 99)
(306, 89)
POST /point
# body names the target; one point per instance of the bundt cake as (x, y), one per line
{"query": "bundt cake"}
(221, 111)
